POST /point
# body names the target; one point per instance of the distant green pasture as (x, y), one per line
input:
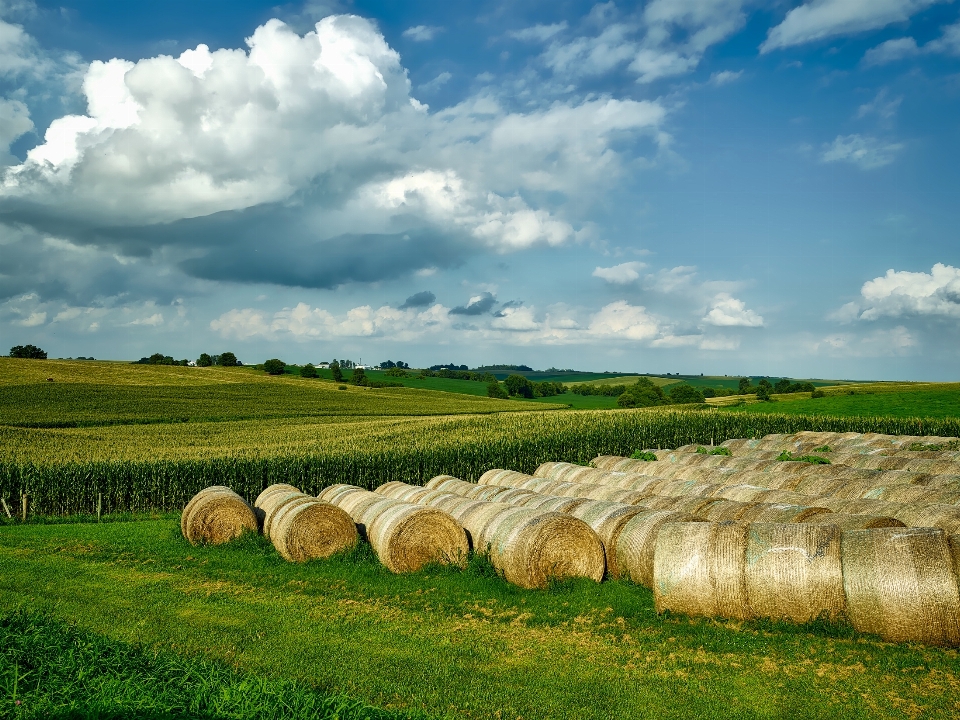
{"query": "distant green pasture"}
(935, 400)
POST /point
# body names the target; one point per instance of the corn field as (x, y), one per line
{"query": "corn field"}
(160, 467)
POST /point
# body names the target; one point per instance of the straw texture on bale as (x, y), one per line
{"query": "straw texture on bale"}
(698, 569)
(901, 584)
(724, 510)
(946, 517)
(531, 547)
(793, 571)
(607, 520)
(188, 508)
(284, 501)
(217, 516)
(853, 522)
(404, 536)
(776, 513)
(311, 530)
(637, 542)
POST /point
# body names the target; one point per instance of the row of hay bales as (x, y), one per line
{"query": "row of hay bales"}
(862, 443)
(897, 582)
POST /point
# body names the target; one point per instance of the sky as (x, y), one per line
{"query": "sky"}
(685, 186)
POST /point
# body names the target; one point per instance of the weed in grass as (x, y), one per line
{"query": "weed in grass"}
(823, 448)
(643, 455)
(787, 456)
(715, 451)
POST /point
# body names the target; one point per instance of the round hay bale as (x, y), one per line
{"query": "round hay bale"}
(861, 506)
(546, 470)
(743, 493)
(274, 488)
(724, 510)
(793, 571)
(637, 540)
(901, 585)
(946, 517)
(606, 462)
(778, 513)
(441, 481)
(406, 537)
(811, 485)
(316, 529)
(607, 520)
(392, 488)
(503, 477)
(788, 497)
(218, 517)
(287, 500)
(338, 490)
(698, 569)
(188, 508)
(853, 522)
(531, 547)
(954, 541)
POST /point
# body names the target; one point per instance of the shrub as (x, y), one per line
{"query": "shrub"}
(643, 455)
(520, 386)
(495, 390)
(335, 372)
(359, 377)
(745, 388)
(396, 372)
(274, 366)
(28, 352)
(787, 456)
(683, 394)
(308, 371)
(763, 394)
(817, 394)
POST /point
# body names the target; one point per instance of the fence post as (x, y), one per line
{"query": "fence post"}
(99, 505)
(23, 506)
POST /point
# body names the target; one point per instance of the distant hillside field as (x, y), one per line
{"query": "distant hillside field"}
(85, 393)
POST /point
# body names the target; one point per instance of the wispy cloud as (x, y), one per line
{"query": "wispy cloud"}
(867, 153)
(422, 33)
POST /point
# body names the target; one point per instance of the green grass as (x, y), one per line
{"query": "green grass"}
(581, 402)
(454, 643)
(630, 380)
(52, 669)
(941, 401)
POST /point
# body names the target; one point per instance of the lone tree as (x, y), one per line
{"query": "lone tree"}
(28, 352)
(335, 372)
(274, 366)
(359, 377)
(204, 360)
(745, 388)
(228, 359)
(308, 371)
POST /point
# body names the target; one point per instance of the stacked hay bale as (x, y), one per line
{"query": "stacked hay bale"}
(528, 545)
(302, 527)
(404, 536)
(216, 515)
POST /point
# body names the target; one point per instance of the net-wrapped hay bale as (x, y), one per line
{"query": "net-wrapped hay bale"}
(954, 541)
(312, 530)
(793, 571)
(607, 519)
(777, 513)
(191, 503)
(285, 501)
(901, 584)
(406, 537)
(531, 547)
(698, 569)
(724, 510)
(217, 517)
(637, 541)
(276, 487)
(946, 517)
(853, 522)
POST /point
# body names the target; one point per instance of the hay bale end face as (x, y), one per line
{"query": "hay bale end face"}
(407, 537)
(637, 541)
(312, 530)
(793, 571)
(901, 584)
(217, 516)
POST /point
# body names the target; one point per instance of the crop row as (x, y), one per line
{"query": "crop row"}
(412, 451)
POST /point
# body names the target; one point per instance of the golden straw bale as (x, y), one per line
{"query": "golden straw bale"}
(626, 497)
(854, 489)
(546, 470)
(435, 482)
(311, 530)
(217, 517)
(788, 497)
(778, 513)
(669, 502)
(811, 485)
(637, 541)
(743, 493)
(606, 462)
(530, 547)
(498, 476)
(861, 506)
(406, 537)
(793, 571)
(698, 569)
(954, 541)
(724, 510)
(853, 522)
(607, 520)
(268, 498)
(274, 488)
(335, 491)
(901, 585)
(513, 495)
(905, 494)
(287, 500)
(946, 517)
(551, 503)
(188, 508)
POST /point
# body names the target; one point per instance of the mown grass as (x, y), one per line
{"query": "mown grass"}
(54, 670)
(937, 401)
(457, 643)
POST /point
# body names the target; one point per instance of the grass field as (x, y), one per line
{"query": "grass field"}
(455, 644)
(90, 393)
(935, 400)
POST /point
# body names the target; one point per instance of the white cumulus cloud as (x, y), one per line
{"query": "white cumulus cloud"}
(623, 321)
(620, 274)
(900, 293)
(728, 311)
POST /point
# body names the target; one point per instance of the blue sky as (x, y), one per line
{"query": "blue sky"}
(712, 186)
